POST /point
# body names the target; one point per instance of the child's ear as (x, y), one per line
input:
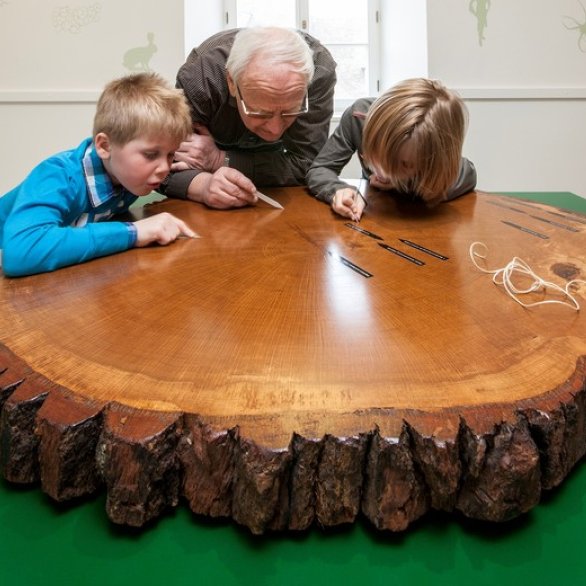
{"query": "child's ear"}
(102, 145)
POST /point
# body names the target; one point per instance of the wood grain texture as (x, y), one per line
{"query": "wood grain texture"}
(255, 374)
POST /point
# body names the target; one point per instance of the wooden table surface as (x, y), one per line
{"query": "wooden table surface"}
(284, 368)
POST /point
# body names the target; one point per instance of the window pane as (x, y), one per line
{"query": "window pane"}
(265, 13)
(352, 70)
(339, 21)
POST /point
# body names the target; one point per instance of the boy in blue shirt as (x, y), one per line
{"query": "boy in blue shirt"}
(54, 217)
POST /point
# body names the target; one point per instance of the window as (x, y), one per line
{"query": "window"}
(349, 28)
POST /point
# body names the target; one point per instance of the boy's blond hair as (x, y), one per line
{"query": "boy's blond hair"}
(434, 119)
(142, 105)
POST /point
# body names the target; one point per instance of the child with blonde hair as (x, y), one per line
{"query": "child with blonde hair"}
(54, 218)
(409, 140)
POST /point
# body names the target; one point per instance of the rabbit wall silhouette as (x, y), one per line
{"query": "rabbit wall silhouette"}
(138, 58)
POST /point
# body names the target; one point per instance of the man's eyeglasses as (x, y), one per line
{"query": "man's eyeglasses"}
(267, 115)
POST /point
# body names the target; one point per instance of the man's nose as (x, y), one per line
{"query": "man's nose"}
(275, 125)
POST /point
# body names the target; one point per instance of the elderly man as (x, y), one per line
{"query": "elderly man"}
(261, 101)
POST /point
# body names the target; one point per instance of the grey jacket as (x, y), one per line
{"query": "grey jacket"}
(323, 175)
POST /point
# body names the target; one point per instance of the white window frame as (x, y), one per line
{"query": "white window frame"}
(374, 41)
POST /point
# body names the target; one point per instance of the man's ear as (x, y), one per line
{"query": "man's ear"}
(231, 84)
(102, 145)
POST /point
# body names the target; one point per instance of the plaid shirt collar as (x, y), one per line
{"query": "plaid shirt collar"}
(99, 184)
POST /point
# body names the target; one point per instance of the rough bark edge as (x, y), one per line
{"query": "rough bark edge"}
(137, 458)
(493, 467)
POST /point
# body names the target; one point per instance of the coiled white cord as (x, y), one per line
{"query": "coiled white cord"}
(517, 267)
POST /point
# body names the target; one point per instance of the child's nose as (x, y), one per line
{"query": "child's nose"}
(164, 166)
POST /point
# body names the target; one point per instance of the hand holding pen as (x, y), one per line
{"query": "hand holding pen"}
(349, 202)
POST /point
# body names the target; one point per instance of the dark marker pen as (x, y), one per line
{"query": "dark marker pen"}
(423, 249)
(404, 255)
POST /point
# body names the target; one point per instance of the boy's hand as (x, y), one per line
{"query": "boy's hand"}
(348, 203)
(162, 229)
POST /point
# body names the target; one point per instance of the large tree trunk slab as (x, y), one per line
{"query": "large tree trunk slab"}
(259, 373)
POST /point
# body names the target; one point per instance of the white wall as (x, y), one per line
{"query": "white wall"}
(525, 86)
(202, 20)
(56, 58)
(528, 145)
(403, 40)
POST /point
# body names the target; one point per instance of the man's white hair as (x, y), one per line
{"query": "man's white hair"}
(275, 45)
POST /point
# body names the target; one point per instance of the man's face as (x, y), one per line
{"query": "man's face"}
(266, 95)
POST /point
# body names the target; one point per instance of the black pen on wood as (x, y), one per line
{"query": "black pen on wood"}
(402, 254)
(527, 230)
(355, 267)
(423, 249)
(360, 192)
(362, 230)
(350, 264)
(362, 187)
(553, 223)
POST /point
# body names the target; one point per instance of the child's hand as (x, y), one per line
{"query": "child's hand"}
(348, 203)
(162, 229)
(380, 182)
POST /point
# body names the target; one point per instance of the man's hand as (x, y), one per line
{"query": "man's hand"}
(162, 229)
(199, 151)
(224, 189)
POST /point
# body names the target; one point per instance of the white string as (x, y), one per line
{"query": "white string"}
(518, 267)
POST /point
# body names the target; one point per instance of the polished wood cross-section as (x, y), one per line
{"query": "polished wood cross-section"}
(289, 367)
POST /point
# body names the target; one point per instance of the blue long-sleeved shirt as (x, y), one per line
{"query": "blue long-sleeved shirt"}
(53, 218)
